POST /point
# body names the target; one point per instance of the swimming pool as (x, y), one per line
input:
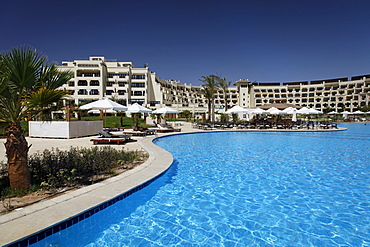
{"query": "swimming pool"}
(244, 189)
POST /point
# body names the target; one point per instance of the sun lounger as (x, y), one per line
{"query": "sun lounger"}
(107, 134)
(101, 140)
(107, 137)
(162, 129)
(113, 129)
(135, 133)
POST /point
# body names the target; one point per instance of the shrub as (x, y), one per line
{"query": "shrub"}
(55, 168)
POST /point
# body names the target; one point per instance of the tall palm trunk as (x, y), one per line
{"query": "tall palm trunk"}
(213, 110)
(17, 152)
(209, 110)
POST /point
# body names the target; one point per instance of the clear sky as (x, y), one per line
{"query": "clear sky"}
(260, 40)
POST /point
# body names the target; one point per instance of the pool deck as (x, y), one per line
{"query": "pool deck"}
(23, 222)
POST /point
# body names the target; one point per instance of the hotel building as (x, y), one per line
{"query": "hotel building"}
(98, 77)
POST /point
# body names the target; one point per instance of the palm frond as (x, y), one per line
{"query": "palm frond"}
(44, 97)
(22, 67)
(51, 78)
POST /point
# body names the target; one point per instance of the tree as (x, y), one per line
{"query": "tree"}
(28, 87)
(209, 89)
(224, 85)
(207, 94)
(187, 114)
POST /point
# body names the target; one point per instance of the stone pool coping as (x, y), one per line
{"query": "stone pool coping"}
(25, 222)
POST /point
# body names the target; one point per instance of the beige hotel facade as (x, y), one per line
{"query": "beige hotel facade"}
(98, 77)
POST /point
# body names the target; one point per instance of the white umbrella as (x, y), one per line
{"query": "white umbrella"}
(289, 110)
(333, 112)
(165, 110)
(303, 110)
(358, 112)
(237, 109)
(294, 117)
(271, 109)
(345, 114)
(98, 111)
(136, 108)
(314, 111)
(103, 104)
(257, 111)
(275, 111)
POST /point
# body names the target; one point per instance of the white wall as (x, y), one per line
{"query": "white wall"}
(64, 129)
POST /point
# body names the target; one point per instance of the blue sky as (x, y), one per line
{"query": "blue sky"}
(261, 40)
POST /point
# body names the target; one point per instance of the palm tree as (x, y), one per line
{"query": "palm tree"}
(224, 85)
(28, 87)
(209, 89)
(207, 94)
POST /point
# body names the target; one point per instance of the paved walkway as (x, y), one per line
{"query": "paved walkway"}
(31, 219)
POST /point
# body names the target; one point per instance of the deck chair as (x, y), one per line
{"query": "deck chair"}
(107, 134)
(107, 137)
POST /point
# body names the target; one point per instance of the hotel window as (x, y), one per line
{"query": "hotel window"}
(71, 83)
(88, 65)
(138, 77)
(82, 83)
(94, 92)
(121, 92)
(122, 102)
(88, 74)
(138, 85)
(139, 101)
(109, 83)
(82, 92)
(94, 83)
(153, 103)
(122, 84)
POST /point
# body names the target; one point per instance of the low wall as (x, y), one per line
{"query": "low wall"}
(64, 129)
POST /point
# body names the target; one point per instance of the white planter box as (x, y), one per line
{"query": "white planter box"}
(64, 129)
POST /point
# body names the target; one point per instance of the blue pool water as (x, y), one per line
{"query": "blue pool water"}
(244, 189)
